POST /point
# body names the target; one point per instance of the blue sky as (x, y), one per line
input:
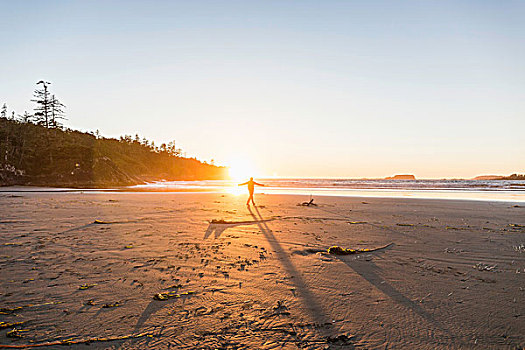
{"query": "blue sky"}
(287, 88)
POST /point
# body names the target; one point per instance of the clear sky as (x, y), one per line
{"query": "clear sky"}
(296, 88)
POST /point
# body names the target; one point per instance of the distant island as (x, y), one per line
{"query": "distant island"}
(401, 177)
(35, 149)
(500, 177)
(488, 177)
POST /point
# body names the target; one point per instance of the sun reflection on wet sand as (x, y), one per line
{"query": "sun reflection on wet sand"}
(235, 190)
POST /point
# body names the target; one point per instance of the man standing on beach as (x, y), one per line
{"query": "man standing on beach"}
(251, 187)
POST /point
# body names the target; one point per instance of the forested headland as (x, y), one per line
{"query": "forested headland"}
(36, 149)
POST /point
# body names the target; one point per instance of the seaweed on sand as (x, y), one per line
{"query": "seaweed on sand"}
(86, 286)
(4, 325)
(73, 342)
(337, 250)
(170, 295)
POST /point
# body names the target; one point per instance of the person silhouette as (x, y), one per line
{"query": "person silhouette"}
(251, 187)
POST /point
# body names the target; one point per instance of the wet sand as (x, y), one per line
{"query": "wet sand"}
(154, 269)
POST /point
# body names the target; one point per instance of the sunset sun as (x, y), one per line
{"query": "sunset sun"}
(241, 169)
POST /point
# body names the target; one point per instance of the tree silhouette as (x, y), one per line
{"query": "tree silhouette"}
(57, 112)
(43, 101)
(26, 117)
(35, 149)
(3, 111)
(49, 110)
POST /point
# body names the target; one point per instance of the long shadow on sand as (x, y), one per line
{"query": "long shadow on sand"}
(152, 308)
(309, 300)
(78, 228)
(219, 228)
(370, 272)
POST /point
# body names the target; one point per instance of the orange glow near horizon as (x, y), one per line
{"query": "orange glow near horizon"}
(241, 169)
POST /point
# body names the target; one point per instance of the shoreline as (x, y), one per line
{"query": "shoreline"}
(515, 196)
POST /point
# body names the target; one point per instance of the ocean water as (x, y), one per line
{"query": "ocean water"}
(496, 190)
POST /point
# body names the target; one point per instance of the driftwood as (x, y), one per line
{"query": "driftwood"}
(310, 203)
(336, 250)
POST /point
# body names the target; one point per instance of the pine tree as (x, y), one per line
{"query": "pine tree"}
(57, 112)
(43, 108)
(26, 117)
(3, 112)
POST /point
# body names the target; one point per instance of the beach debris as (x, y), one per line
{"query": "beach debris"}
(453, 250)
(357, 222)
(341, 339)
(280, 308)
(516, 226)
(405, 224)
(165, 296)
(73, 342)
(520, 248)
(170, 295)
(485, 267)
(90, 302)
(108, 305)
(219, 221)
(129, 246)
(15, 333)
(337, 250)
(100, 222)
(86, 286)
(309, 203)
(4, 325)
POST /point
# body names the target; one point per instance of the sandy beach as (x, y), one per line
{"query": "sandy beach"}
(203, 271)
